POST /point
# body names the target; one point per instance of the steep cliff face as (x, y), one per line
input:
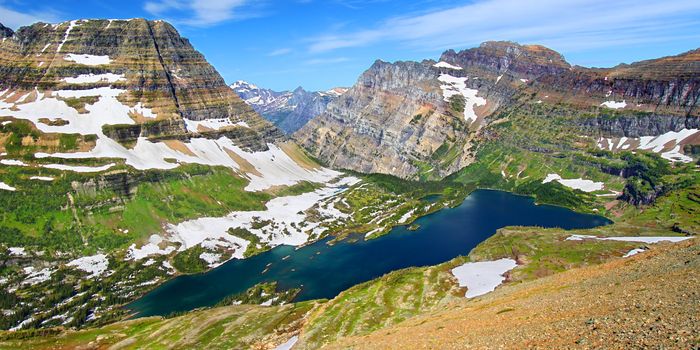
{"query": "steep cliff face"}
(393, 120)
(288, 110)
(420, 120)
(133, 93)
(162, 76)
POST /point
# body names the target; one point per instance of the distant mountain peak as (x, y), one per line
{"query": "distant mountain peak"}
(289, 110)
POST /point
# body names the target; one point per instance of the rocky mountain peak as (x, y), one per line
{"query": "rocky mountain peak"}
(506, 56)
(5, 32)
(289, 110)
(143, 66)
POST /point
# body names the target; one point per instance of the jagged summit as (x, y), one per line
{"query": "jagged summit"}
(289, 110)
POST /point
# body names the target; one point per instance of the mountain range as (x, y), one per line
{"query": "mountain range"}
(424, 119)
(288, 110)
(126, 162)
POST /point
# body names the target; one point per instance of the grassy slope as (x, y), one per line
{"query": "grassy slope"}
(647, 301)
(392, 298)
(231, 327)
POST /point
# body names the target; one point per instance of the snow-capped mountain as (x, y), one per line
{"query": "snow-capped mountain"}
(289, 110)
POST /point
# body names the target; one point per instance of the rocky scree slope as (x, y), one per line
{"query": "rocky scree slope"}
(422, 120)
(288, 110)
(647, 301)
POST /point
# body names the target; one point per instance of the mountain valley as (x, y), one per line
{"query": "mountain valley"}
(126, 161)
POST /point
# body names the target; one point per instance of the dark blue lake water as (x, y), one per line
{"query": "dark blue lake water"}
(323, 271)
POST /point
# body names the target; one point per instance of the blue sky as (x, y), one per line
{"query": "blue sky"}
(322, 44)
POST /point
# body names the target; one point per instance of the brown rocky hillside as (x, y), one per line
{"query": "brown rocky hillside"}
(651, 300)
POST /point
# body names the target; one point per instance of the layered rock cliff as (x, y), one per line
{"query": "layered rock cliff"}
(288, 110)
(420, 120)
(393, 120)
(164, 77)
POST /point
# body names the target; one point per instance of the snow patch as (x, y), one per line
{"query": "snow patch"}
(212, 259)
(151, 248)
(13, 162)
(79, 169)
(42, 178)
(406, 216)
(614, 105)
(578, 184)
(215, 124)
(443, 64)
(670, 141)
(36, 277)
(287, 222)
(146, 112)
(6, 187)
(88, 60)
(95, 78)
(457, 86)
(71, 25)
(634, 252)
(17, 251)
(482, 277)
(95, 265)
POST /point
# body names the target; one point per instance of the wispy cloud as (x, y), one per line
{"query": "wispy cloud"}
(15, 19)
(316, 61)
(280, 52)
(200, 13)
(572, 25)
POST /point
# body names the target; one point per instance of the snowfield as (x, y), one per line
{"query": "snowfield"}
(12, 162)
(272, 167)
(36, 277)
(457, 86)
(214, 124)
(614, 105)
(483, 276)
(6, 187)
(287, 225)
(151, 248)
(264, 169)
(42, 178)
(95, 265)
(668, 145)
(577, 184)
(79, 169)
(95, 78)
(443, 64)
(88, 60)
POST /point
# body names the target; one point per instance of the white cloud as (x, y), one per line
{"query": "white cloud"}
(280, 52)
(327, 60)
(15, 19)
(198, 13)
(570, 24)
